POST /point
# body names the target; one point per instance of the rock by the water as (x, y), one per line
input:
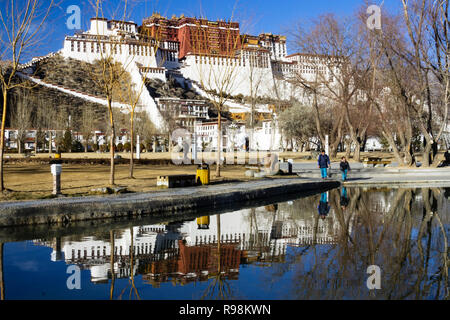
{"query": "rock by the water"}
(249, 173)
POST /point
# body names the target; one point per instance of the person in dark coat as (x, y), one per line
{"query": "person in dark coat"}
(323, 162)
(345, 168)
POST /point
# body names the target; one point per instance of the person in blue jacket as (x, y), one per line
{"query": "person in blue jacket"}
(323, 162)
(323, 208)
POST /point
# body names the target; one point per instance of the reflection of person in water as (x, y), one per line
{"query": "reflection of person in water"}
(344, 198)
(323, 207)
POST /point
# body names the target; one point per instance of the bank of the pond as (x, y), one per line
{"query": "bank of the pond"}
(170, 202)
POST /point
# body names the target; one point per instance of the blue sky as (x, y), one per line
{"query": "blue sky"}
(255, 16)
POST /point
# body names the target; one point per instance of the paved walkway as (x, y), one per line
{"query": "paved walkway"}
(387, 176)
(420, 179)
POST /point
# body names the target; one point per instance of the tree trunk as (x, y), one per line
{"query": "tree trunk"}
(357, 153)
(19, 146)
(111, 239)
(333, 149)
(348, 148)
(218, 245)
(132, 146)
(219, 143)
(2, 280)
(397, 156)
(252, 127)
(426, 155)
(49, 142)
(2, 137)
(111, 119)
(35, 142)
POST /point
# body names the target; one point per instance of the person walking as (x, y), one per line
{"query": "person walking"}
(323, 163)
(345, 168)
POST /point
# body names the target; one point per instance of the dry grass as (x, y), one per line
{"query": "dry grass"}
(34, 181)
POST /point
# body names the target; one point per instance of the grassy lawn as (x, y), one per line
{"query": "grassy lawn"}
(34, 181)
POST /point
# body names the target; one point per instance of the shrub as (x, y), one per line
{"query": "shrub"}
(77, 146)
(149, 146)
(119, 147)
(127, 147)
(95, 147)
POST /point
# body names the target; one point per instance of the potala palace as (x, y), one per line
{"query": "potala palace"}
(204, 56)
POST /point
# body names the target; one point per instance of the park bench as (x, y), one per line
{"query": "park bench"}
(375, 161)
(176, 181)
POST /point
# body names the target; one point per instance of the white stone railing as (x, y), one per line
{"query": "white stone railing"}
(76, 93)
(36, 60)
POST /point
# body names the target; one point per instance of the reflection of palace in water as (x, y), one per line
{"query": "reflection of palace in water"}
(188, 251)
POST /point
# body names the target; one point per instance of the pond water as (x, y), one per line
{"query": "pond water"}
(315, 247)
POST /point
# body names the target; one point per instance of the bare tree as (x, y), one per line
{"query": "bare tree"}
(38, 124)
(145, 128)
(108, 74)
(88, 125)
(131, 95)
(298, 125)
(21, 118)
(336, 60)
(21, 24)
(415, 50)
(2, 280)
(428, 26)
(258, 63)
(46, 119)
(112, 262)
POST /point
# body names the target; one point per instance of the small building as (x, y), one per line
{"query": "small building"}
(185, 112)
(206, 133)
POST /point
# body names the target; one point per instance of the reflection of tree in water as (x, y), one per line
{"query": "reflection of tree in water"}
(218, 287)
(131, 285)
(2, 284)
(408, 241)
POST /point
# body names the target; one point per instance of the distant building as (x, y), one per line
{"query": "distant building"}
(197, 36)
(199, 54)
(206, 133)
(184, 112)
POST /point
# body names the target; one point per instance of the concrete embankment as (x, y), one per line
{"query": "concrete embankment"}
(168, 203)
